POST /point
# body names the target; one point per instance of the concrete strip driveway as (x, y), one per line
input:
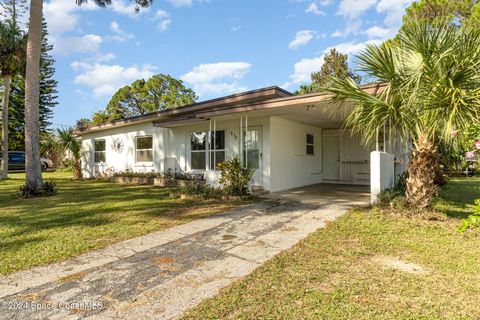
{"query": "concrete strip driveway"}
(162, 274)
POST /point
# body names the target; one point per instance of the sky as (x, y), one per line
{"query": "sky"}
(217, 47)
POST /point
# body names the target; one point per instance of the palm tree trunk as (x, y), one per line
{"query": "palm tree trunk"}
(421, 173)
(6, 95)
(77, 170)
(33, 168)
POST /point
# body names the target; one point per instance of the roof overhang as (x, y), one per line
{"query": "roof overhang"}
(243, 98)
(272, 98)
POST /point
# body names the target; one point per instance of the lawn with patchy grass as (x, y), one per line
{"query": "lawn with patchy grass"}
(368, 265)
(85, 215)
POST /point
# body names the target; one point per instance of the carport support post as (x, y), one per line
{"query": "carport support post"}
(382, 173)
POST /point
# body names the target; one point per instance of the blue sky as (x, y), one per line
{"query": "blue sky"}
(217, 47)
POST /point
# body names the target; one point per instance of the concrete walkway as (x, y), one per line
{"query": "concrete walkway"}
(162, 274)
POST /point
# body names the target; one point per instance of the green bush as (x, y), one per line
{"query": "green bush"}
(473, 220)
(204, 191)
(48, 189)
(132, 174)
(391, 198)
(234, 177)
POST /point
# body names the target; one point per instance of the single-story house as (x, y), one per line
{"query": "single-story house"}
(290, 140)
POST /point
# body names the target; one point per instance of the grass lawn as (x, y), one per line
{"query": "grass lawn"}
(350, 270)
(85, 215)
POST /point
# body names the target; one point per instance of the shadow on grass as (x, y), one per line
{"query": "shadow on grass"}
(457, 197)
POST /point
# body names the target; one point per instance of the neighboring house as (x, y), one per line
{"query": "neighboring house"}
(290, 140)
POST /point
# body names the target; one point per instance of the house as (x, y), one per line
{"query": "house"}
(291, 141)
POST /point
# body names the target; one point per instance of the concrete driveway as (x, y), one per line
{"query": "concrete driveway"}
(163, 274)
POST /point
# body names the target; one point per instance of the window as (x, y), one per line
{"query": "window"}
(144, 149)
(99, 151)
(310, 148)
(217, 151)
(204, 151)
(199, 150)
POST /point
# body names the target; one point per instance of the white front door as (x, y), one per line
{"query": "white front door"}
(331, 157)
(252, 153)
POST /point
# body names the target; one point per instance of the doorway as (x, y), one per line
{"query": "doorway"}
(331, 157)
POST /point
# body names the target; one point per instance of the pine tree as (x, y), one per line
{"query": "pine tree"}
(48, 98)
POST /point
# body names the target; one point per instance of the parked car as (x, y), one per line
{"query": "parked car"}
(16, 161)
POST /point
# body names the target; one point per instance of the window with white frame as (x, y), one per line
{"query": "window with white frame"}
(217, 150)
(99, 152)
(204, 152)
(198, 154)
(310, 148)
(144, 149)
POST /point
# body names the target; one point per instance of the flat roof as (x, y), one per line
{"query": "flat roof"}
(264, 98)
(252, 96)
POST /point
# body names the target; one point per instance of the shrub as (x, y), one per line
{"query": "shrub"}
(48, 189)
(205, 191)
(390, 198)
(473, 220)
(132, 174)
(401, 185)
(234, 177)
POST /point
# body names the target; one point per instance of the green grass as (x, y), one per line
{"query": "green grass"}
(85, 215)
(335, 273)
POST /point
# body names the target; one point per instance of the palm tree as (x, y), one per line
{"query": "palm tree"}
(68, 142)
(33, 177)
(12, 57)
(432, 77)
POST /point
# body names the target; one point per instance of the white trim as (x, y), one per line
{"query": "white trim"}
(95, 151)
(143, 163)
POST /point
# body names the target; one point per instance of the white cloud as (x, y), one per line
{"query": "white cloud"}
(217, 78)
(352, 48)
(351, 27)
(313, 8)
(180, 3)
(163, 18)
(105, 79)
(302, 38)
(304, 68)
(119, 34)
(394, 10)
(184, 3)
(70, 45)
(377, 32)
(353, 9)
(127, 8)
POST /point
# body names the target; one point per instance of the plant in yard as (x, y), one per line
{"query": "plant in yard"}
(431, 74)
(68, 142)
(473, 220)
(48, 189)
(234, 177)
(33, 170)
(12, 57)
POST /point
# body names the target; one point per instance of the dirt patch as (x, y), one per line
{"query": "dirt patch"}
(165, 263)
(73, 277)
(398, 264)
(229, 237)
(288, 229)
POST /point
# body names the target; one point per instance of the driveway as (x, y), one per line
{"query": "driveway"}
(163, 274)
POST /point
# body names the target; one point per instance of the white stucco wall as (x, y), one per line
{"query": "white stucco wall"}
(171, 147)
(124, 160)
(290, 166)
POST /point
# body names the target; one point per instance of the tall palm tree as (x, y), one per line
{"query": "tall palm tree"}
(12, 61)
(432, 77)
(33, 177)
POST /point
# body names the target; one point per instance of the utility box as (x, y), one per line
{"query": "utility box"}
(382, 173)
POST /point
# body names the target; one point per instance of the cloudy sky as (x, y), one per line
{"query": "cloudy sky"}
(216, 47)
